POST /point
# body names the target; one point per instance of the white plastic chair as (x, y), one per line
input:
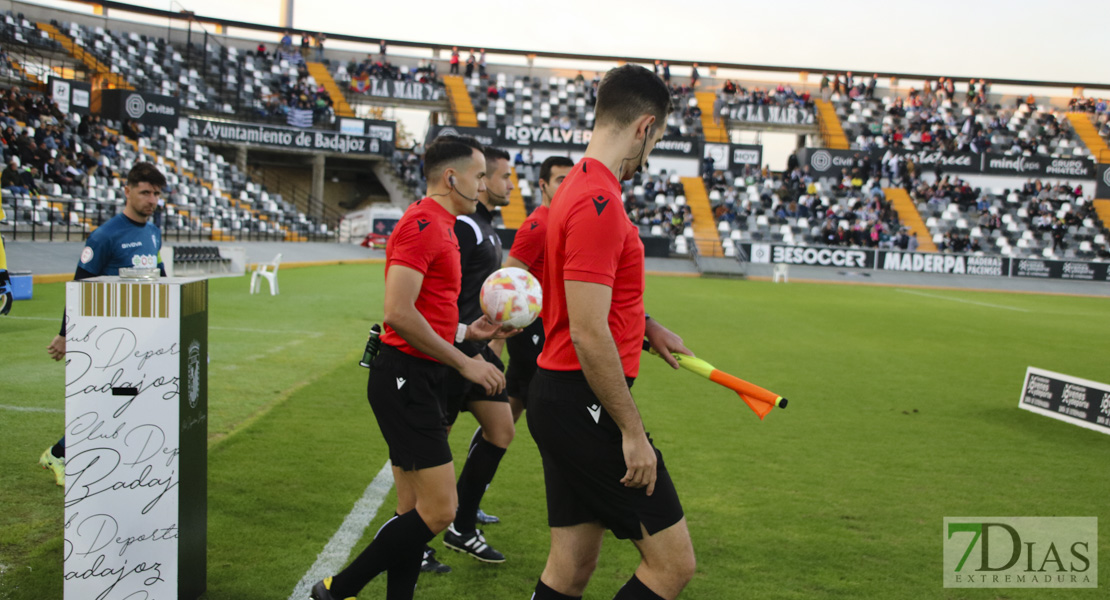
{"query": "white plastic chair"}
(269, 271)
(781, 271)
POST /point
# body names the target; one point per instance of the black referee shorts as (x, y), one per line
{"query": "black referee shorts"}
(583, 462)
(406, 394)
(458, 391)
(524, 349)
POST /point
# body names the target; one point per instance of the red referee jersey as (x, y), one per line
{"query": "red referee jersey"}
(528, 245)
(424, 240)
(590, 238)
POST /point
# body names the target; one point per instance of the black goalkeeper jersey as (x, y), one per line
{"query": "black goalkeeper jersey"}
(480, 253)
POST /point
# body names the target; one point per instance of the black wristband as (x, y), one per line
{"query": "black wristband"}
(647, 317)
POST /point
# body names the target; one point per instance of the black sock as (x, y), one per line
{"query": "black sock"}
(636, 590)
(545, 593)
(423, 552)
(474, 440)
(478, 471)
(400, 583)
(59, 449)
(401, 538)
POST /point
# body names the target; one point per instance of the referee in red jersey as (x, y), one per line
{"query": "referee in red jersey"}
(601, 469)
(422, 281)
(527, 253)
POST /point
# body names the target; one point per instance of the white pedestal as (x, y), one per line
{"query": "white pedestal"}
(136, 439)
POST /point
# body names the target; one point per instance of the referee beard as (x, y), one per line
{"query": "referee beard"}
(601, 470)
(421, 317)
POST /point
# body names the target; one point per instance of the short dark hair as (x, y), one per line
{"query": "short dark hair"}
(446, 149)
(493, 154)
(144, 172)
(553, 161)
(629, 91)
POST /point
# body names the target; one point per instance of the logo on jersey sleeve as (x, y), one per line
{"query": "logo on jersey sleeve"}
(86, 255)
(422, 223)
(535, 224)
(600, 203)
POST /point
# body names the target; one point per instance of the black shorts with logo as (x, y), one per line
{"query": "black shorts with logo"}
(583, 461)
(524, 349)
(406, 394)
(457, 390)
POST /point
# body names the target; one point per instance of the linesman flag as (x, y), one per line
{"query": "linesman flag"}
(758, 399)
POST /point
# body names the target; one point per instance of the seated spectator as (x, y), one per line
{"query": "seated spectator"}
(11, 180)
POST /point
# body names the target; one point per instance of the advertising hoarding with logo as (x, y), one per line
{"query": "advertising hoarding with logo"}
(946, 263)
(1070, 399)
(70, 96)
(826, 162)
(285, 137)
(768, 114)
(1102, 188)
(151, 110)
(746, 155)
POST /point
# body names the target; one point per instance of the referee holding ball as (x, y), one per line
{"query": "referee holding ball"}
(422, 284)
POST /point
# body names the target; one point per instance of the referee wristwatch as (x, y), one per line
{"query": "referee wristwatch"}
(460, 333)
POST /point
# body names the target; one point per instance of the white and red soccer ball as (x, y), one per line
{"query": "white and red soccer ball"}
(511, 296)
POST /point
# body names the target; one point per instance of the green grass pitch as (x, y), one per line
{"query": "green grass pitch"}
(903, 411)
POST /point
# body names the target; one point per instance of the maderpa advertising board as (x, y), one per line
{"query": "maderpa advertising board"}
(927, 262)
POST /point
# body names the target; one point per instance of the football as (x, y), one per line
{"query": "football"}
(511, 296)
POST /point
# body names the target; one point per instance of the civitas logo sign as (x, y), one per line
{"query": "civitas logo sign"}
(135, 106)
(1106, 176)
(820, 160)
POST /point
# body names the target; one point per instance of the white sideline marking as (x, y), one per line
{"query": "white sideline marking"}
(915, 293)
(334, 555)
(29, 409)
(35, 318)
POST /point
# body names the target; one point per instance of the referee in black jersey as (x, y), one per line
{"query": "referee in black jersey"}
(480, 253)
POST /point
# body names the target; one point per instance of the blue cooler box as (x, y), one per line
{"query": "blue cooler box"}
(22, 285)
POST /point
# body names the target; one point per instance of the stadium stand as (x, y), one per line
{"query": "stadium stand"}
(1053, 221)
(357, 74)
(209, 78)
(792, 211)
(921, 122)
(80, 187)
(523, 101)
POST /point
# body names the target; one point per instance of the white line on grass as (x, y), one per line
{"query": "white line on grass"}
(29, 409)
(915, 293)
(56, 320)
(334, 555)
